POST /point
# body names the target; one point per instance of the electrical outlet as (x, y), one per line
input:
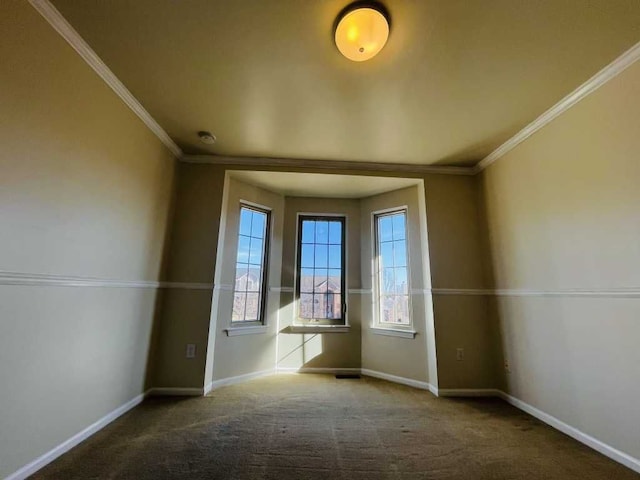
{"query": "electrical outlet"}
(507, 366)
(191, 350)
(460, 354)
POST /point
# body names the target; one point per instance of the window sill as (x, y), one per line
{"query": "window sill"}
(319, 329)
(392, 332)
(248, 330)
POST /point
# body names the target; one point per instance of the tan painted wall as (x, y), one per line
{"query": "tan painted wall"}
(456, 256)
(327, 350)
(85, 190)
(455, 251)
(186, 313)
(402, 357)
(245, 354)
(562, 212)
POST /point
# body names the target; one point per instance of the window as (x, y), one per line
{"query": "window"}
(320, 284)
(392, 271)
(251, 265)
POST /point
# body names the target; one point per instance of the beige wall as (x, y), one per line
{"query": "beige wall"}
(85, 190)
(455, 252)
(245, 354)
(403, 357)
(186, 313)
(562, 212)
(327, 350)
(454, 249)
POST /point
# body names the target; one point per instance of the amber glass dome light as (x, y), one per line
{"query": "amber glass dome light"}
(362, 29)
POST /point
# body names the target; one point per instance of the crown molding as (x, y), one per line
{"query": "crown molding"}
(327, 164)
(616, 67)
(73, 38)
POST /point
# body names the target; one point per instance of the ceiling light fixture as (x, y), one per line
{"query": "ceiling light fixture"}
(361, 30)
(207, 137)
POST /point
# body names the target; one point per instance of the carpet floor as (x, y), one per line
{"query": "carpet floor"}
(318, 427)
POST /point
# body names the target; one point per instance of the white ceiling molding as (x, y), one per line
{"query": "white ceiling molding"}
(603, 76)
(328, 164)
(58, 22)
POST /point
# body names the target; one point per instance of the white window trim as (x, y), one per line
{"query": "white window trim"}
(393, 332)
(251, 204)
(319, 329)
(378, 327)
(246, 330)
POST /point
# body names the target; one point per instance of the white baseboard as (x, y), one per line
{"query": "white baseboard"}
(207, 388)
(79, 437)
(410, 382)
(176, 391)
(331, 371)
(607, 450)
(468, 392)
(239, 379)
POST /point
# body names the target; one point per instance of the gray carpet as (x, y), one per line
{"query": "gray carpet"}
(318, 427)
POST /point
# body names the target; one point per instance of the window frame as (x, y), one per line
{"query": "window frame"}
(321, 323)
(263, 292)
(378, 324)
